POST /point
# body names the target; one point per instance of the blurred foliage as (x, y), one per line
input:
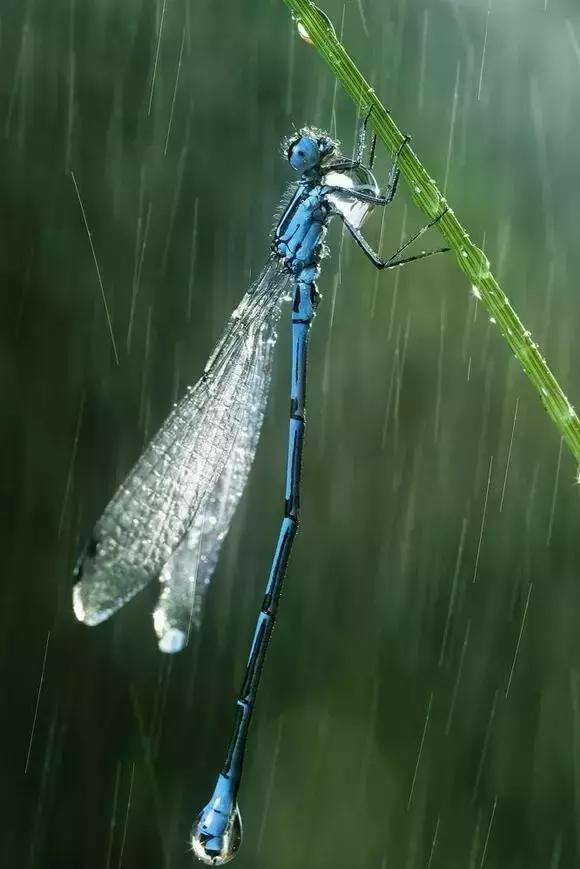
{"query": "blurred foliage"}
(421, 698)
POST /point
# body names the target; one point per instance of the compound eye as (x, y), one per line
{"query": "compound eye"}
(303, 154)
(292, 148)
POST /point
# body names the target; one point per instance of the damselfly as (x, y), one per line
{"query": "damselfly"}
(170, 516)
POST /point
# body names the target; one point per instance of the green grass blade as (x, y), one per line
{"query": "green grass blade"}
(431, 202)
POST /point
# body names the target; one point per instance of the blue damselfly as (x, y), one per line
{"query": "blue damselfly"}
(171, 514)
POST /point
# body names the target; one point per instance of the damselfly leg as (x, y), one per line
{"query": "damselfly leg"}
(394, 261)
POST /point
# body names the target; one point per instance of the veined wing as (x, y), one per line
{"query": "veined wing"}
(173, 510)
(187, 573)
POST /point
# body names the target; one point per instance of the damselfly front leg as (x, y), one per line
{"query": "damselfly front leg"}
(361, 141)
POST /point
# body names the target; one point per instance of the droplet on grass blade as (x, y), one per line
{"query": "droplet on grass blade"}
(325, 20)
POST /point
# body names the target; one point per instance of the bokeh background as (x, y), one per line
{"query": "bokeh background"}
(421, 699)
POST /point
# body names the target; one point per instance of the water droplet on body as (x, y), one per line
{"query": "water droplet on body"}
(217, 834)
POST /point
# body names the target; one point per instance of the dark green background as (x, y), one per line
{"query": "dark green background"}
(403, 610)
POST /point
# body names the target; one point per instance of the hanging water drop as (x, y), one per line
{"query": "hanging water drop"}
(303, 32)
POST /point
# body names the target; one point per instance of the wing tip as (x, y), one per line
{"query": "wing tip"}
(83, 611)
(172, 641)
(78, 605)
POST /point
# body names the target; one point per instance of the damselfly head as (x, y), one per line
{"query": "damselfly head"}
(307, 150)
(304, 154)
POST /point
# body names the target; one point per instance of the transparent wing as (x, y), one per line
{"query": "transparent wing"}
(170, 515)
(187, 573)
